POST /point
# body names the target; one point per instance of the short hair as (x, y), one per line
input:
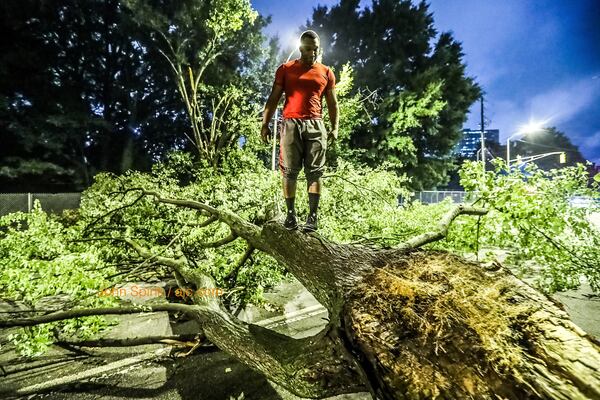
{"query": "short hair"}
(309, 35)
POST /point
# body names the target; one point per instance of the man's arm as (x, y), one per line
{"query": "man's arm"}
(332, 107)
(270, 107)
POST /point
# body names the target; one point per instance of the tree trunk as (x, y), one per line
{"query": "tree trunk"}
(404, 323)
(424, 324)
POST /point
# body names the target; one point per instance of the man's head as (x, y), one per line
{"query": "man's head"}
(309, 47)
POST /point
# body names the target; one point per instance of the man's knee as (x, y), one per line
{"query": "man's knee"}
(313, 177)
(289, 174)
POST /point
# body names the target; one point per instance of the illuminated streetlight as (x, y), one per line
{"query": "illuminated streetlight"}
(531, 127)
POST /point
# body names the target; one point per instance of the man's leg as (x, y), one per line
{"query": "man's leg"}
(314, 164)
(289, 193)
(290, 163)
(314, 194)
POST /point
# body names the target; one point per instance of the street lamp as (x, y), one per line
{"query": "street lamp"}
(531, 127)
(273, 167)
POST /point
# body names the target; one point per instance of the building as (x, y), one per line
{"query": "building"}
(471, 142)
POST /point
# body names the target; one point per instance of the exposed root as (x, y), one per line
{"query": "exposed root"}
(441, 327)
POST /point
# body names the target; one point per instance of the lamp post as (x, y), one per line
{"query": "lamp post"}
(274, 151)
(508, 147)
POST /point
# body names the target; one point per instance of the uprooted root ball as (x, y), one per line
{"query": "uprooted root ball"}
(421, 318)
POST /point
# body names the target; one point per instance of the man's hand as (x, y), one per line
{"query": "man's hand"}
(332, 136)
(265, 133)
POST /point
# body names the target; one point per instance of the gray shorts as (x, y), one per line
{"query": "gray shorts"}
(303, 143)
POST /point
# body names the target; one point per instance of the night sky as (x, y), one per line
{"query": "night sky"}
(536, 60)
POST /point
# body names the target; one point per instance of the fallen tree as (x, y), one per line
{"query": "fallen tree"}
(403, 322)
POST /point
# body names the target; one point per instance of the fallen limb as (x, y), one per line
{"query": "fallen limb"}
(443, 226)
(86, 312)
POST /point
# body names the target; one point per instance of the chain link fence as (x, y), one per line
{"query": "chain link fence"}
(50, 202)
(436, 196)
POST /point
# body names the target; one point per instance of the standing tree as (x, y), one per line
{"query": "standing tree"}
(419, 75)
(211, 48)
(78, 95)
(84, 86)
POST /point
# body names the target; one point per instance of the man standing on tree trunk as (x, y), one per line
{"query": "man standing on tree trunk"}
(304, 137)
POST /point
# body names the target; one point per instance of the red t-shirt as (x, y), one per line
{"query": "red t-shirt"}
(304, 87)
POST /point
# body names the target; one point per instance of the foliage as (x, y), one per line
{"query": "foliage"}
(360, 202)
(353, 109)
(210, 48)
(532, 216)
(78, 256)
(412, 112)
(59, 108)
(41, 261)
(395, 50)
(85, 88)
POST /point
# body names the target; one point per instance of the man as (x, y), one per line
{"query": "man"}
(304, 138)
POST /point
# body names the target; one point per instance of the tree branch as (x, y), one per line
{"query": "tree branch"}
(177, 265)
(443, 226)
(232, 276)
(86, 312)
(88, 226)
(196, 205)
(175, 340)
(358, 186)
(221, 242)
(242, 228)
(204, 223)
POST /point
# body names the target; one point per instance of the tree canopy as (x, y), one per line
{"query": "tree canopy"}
(85, 88)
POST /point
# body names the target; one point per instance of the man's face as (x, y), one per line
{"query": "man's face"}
(309, 50)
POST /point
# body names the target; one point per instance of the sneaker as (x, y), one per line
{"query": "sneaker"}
(290, 222)
(311, 223)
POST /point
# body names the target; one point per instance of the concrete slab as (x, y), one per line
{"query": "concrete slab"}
(63, 365)
(583, 306)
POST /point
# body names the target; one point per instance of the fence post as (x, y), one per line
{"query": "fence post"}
(29, 202)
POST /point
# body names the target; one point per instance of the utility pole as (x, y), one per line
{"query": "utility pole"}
(482, 136)
(274, 150)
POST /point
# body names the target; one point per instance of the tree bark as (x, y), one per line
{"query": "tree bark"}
(404, 323)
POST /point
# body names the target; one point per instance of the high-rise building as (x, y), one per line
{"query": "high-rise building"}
(471, 141)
